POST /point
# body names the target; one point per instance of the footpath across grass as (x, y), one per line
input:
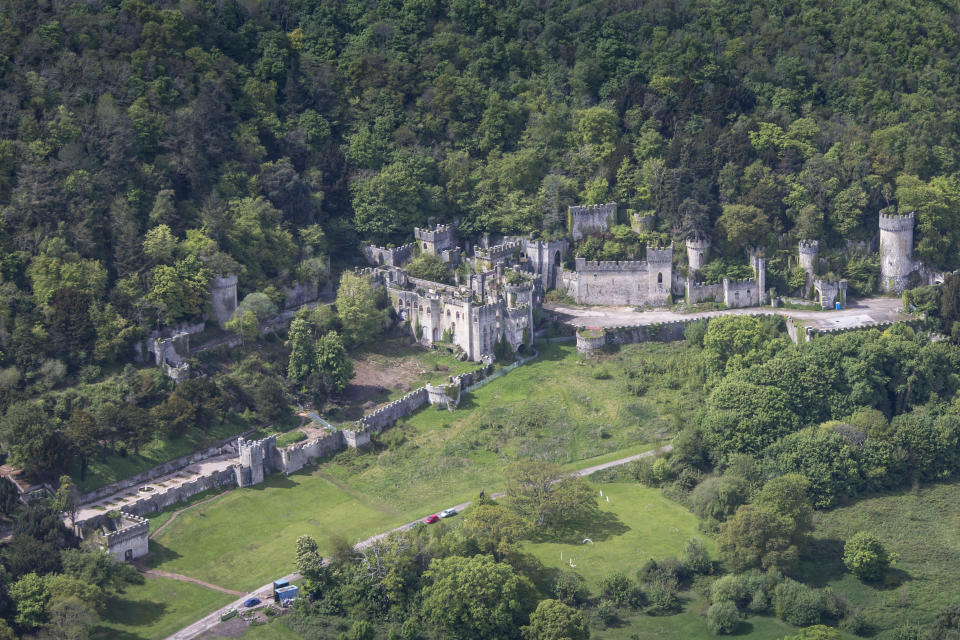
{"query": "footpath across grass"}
(156, 609)
(561, 408)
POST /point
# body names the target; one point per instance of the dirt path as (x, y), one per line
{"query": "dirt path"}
(265, 592)
(179, 511)
(182, 578)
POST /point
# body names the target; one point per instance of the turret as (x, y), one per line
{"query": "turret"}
(807, 251)
(698, 251)
(896, 251)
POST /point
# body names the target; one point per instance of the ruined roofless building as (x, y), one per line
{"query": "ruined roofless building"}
(807, 251)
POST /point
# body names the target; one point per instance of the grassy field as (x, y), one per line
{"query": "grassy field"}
(246, 537)
(559, 407)
(156, 609)
(637, 524)
(922, 527)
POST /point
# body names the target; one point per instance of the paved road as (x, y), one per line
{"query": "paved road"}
(266, 591)
(858, 313)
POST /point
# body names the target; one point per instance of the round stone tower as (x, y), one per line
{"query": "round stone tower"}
(896, 251)
(808, 250)
(698, 251)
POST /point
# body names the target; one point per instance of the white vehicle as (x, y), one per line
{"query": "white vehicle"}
(446, 513)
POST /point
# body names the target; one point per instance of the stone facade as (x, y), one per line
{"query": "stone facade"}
(642, 223)
(698, 251)
(545, 258)
(740, 293)
(597, 218)
(896, 251)
(440, 241)
(388, 257)
(831, 293)
(223, 297)
(807, 252)
(126, 538)
(592, 341)
(471, 317)
(257, 458)
(699, 292)
(631, 283)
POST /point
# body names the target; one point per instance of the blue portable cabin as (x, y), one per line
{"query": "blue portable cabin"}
(277, 585)
(286, 595)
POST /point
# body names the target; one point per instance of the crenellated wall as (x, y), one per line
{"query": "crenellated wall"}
(584, 220)
(896, 251)
(700, 292)
(388, 257)
(129, 540)
(741, 293)
(627, 282)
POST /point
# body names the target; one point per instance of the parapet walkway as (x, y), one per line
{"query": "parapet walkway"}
(265, 592)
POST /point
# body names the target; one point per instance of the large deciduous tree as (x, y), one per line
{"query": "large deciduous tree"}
(358, 305)
(473, 598)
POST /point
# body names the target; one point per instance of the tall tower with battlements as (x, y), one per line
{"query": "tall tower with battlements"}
(896, 251)
(807, 251)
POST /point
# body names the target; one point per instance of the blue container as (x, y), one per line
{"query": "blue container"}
(839, 306)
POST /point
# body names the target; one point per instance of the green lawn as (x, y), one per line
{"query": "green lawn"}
(246, 537)
(922, 527)
(156, 609)
(560, 408)
(637, 524)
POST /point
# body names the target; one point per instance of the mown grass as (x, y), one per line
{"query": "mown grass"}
(637, 524)
(920, 526)
(156, 609)
(247, 537)
(556, 408)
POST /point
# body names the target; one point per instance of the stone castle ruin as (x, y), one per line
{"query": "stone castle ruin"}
(125, 537)
(440, 241)
(698, 251)
(896, 252)
(585, 220)
(628, 282)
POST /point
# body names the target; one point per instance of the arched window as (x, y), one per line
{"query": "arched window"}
(659, 278)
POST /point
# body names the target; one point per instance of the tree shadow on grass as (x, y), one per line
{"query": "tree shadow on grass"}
(103, 633)
(133, 613)
(602, 525)
(159, 554)
(822, 561)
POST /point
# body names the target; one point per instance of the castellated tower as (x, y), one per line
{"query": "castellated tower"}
(660, 274)
(808, 250)
(223, 296)
(698, 251)
(896, 251)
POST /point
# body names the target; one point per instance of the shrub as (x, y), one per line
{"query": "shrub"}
(730, 588)
(856, 623)
(718, 497)
(797, 604)
(616, 588)
(570, 588)
(865, 557)
(723, 617)
(696, 558)
(607, 611)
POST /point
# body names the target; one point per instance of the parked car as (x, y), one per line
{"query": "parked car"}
(252, 602)
(446, 513)
(432, 519)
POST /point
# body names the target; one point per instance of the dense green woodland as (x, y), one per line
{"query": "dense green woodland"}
(145, 147)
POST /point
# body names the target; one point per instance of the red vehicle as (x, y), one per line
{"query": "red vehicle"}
(432, 519)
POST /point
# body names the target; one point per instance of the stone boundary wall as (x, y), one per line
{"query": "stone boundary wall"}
(228, 445)
(161, 497)
(700, 292)
(656, 332)
(390, 413)
(295, 456)
(812, 332)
